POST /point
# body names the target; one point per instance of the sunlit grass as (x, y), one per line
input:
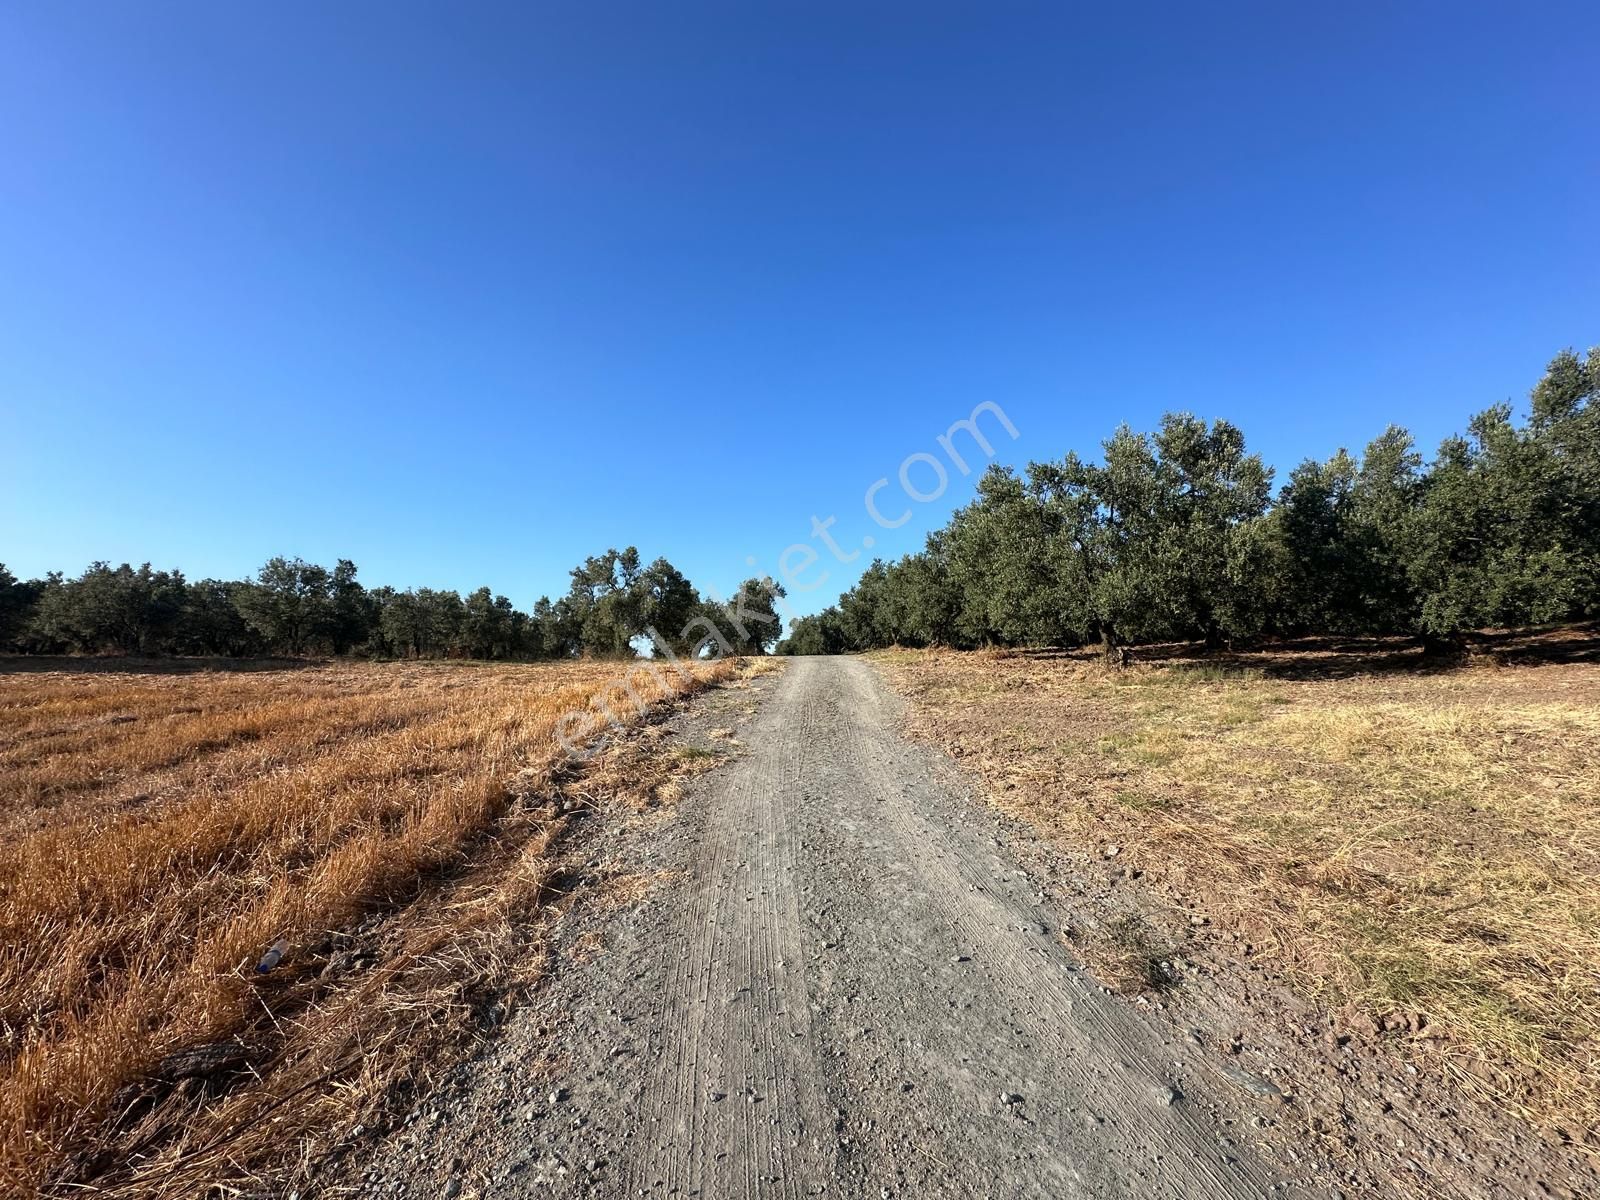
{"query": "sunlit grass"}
(162, 831)
(1426, 844)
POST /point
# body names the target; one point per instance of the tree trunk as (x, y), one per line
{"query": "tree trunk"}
(1115, 655)
(1444, 647)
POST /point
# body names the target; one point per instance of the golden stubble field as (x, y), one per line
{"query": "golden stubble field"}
(386, 826)
(1423, 845)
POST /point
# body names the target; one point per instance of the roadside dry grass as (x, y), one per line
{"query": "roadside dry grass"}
(1422, 846)
(388, 826)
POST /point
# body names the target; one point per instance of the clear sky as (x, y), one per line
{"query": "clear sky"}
(468, 292)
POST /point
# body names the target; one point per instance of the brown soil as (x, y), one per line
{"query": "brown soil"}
(1371, 882)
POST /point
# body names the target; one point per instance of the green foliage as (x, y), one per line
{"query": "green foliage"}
(1174, 535)
(121, 610)
(288, 604)
(555, 629)
(1500, 535)
(751, 618)
(213, 623)
(1181, 511)
(822, 633)
(351, 613)
(1340, 538)
(616, 609)
(666, 604)
(489, 625)
(1010, 561)
(17, 601)
(293, 607)
(608, 603)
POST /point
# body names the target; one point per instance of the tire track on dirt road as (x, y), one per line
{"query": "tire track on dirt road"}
(735, 1074)
(845, 984)
(909, 1024)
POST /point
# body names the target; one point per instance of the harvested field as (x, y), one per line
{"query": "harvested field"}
(1420, 846)
(383, 827)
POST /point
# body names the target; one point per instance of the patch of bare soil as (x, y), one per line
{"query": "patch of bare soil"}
(842, 982)
(503, 1118)
(1366, 884)
(243, 911)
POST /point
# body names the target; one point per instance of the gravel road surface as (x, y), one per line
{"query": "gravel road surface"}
(845, 984)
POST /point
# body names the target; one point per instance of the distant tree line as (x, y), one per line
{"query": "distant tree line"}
(1176, 535)
(614, 606)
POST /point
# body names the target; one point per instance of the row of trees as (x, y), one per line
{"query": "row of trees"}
(615, 607)
(1177, 535)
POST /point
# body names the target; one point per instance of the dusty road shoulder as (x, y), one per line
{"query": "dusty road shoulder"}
(842, 982)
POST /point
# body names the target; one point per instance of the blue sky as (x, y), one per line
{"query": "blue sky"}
(469, 292)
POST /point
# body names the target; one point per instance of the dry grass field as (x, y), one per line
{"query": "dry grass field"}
(386, 827)
(1423, 845)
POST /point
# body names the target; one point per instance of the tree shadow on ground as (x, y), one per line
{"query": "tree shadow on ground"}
(1313, 658)
(40, 664)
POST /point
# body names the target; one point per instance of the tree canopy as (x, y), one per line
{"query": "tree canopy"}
(1176, 534)
(1171, 534)
(614, 608)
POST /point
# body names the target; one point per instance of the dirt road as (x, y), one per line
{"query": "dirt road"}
(848, 987)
